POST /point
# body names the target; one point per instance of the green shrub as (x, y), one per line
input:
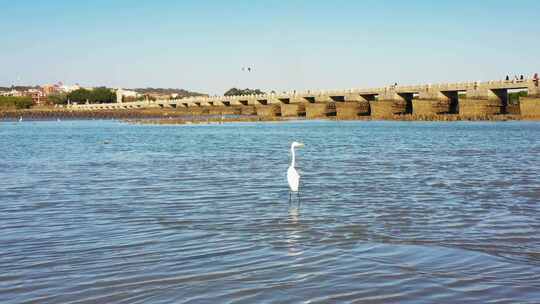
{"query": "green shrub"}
(513, 98)
(9, 102)
(58, 98)
(97, 95)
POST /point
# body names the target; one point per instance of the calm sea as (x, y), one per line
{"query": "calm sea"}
(391, 212)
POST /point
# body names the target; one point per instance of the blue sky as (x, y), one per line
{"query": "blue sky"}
(203, 45)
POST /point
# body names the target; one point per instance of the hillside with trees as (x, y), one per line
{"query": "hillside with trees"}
(18, 88)
(235, 91)
(168, 91)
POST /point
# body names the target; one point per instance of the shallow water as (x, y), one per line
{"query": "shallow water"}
(391, 212)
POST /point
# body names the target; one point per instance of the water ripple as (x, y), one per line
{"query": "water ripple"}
(391, 212)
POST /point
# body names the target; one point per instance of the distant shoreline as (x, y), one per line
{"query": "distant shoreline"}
(162, 116)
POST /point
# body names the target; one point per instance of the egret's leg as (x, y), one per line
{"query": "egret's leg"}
(290, 197)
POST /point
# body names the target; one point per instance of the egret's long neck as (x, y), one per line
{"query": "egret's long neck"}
(292, 161)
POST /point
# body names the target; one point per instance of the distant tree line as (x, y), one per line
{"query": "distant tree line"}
(97, 95)
(168, 91)
(18, 88)
(235, 91)
(57, 98)
(9, 102)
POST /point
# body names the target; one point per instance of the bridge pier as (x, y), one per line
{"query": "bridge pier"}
(530, 106)
(347, 110)
(430, 103)
(181, 109)
(199, 110)
(231, 110)
(248, 110)
(482, 102)
(352, 109)
(390, 104)
(268, 111)
(224, 110)
(293, 110)
(320, 109)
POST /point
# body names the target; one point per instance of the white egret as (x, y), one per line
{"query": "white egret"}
(292, 175)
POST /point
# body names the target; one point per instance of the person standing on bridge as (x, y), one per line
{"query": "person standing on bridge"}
(535, 79)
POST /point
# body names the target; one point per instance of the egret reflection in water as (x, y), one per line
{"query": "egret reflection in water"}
(293, 232)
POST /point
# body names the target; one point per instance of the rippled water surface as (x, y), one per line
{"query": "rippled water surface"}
(105, 212)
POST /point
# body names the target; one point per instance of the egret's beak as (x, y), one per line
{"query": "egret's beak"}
(300, 145)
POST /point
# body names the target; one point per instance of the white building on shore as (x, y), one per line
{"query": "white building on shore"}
(69, 88)
(121, 93)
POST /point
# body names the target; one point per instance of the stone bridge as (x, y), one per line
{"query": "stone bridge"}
(465, 99)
